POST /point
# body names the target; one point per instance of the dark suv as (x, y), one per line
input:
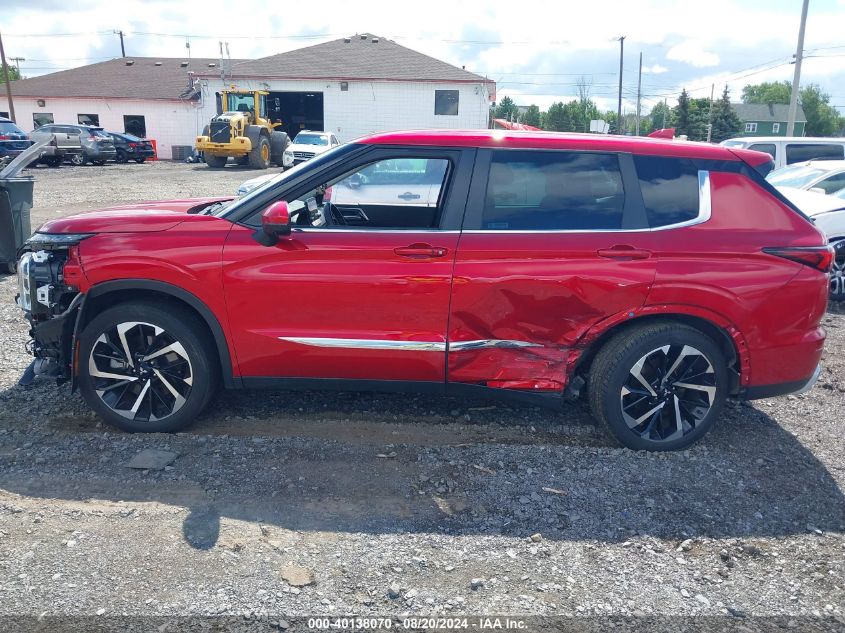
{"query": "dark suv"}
(128, 147)
(657, 278)
(97, 144)
(13, 140)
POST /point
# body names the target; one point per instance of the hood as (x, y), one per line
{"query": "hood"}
(810, 202)
(254, 183)
(142, 217)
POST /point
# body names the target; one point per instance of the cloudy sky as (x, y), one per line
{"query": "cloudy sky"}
(536, 55)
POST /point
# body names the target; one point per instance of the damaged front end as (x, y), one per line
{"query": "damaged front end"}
(49, 276)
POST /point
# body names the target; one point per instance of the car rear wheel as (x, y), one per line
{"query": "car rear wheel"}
(837, 273)
(121, 157)
(77, 159)
(146, 367)
(658, 387)
(140, 159)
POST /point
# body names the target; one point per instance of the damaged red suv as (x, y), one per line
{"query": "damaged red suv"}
(656, 278)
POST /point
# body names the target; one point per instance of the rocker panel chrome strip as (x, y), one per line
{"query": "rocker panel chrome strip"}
(413, 346)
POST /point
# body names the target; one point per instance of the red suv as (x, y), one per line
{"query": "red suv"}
(658, 278)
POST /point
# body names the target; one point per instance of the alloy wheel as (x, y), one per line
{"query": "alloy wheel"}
(837, 278)
(140, 371)
(668, 392)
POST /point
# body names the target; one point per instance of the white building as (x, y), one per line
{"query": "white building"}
(352, 87)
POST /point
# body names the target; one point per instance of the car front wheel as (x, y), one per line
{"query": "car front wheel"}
(146, 367)
(658, 387)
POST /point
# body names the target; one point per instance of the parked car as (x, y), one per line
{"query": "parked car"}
(820, 176)
(254, 183)
(129, 147)
(536, 266)
(786, 150)
(307, 145)
(828, 213)
(13, 140)
(97, 145)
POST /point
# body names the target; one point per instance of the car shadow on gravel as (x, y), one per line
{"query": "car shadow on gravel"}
(408, 465)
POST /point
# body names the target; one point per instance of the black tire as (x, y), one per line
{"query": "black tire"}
(191, 369)
(243, 160)
(259, 156)
(121, 156)
(677, 426)
(52, 161)
(279, 142)
(78, 159)
(837, 275)
(140, 159)
(217, 162)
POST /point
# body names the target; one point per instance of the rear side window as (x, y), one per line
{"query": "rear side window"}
(799, 152)
(769, 148)
(670, 189)
(546, 191)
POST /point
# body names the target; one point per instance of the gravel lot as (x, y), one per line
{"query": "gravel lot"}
(289, 504)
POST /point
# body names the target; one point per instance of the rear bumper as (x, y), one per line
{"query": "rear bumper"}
(784, 388)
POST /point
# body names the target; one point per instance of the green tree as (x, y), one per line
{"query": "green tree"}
(660, 116)
(532, 116)
(14, 74)
(506, 109)
(681, 114)
(726, 123)
(822, 118)
(767, 92)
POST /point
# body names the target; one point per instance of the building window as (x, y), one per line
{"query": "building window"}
(135, 124)
(751, 127)
(41, 118)
(344, 86)
(446, 102)
(88, 119)
(775, 128)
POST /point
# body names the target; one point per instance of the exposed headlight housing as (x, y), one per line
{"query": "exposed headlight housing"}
(56, 240)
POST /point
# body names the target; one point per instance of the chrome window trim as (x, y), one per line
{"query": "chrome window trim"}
(340, 229)
(705, 210)
(412, 346)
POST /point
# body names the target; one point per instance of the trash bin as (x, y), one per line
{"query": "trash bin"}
(15, 205)
(15, 227)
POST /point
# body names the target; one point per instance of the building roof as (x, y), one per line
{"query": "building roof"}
(769, 112)
(143, 78)
(363, 56)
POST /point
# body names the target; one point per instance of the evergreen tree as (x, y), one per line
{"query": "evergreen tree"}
(726, 123)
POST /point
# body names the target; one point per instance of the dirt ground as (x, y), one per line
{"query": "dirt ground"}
(283, 505)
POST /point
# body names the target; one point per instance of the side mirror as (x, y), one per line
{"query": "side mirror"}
(275, 222)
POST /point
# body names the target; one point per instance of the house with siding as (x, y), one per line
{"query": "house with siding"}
(768, 119)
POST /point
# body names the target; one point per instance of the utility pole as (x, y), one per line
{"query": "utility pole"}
(639, 91)
(796, 78)
(122, 49)
(6, 81)
(18, 61)
(619, 104)
(710, 114)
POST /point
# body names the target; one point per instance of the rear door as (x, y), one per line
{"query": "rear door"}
(553, 243)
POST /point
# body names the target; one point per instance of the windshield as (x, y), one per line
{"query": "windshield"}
(797, 176)
(311, 139)
(7, 127)
(733, 143)
(240, 102)
(839, 194)
(288, 174)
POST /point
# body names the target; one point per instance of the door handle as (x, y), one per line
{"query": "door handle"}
(623, 252)
(409, 196)
(421, 251)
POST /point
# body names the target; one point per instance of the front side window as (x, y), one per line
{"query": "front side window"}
(833, 183)
(553, 191)
(88, 119)
(41, 118)
(800, 152)
(446, 102)
(395, 193)
(670, 189)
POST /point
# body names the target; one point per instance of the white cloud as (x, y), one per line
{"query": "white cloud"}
(693, 53)
(656, 69)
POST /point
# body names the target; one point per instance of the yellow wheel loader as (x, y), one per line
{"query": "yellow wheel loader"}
(242, 132)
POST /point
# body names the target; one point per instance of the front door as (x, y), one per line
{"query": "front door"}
(361, 287)
(552, 245)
